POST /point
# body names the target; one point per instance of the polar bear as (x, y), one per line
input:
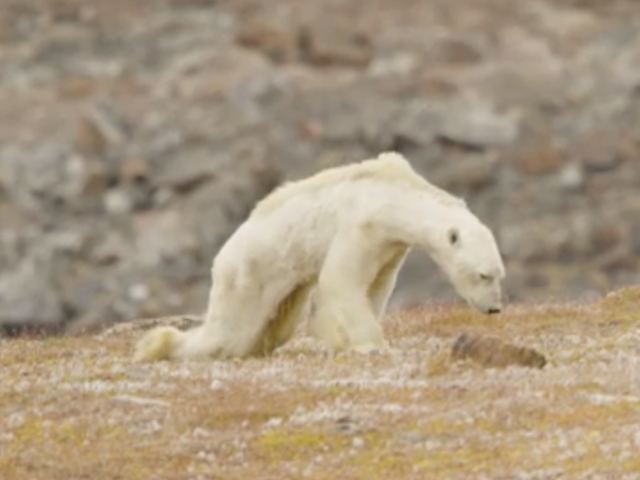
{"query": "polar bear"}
(340, 236)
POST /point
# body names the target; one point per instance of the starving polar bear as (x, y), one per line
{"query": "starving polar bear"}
(341, 235)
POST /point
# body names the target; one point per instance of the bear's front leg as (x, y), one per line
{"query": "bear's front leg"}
(344, 318)
(384, 282)
(342, 321)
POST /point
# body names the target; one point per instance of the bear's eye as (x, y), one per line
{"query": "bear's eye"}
(484, 277)
(453, 236)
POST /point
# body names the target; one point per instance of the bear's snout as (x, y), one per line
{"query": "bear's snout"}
(494, 310)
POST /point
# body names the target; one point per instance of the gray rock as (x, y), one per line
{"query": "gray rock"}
(191, 169)
(111, 247)
(28, 296)
(119, 201)
(162, 236)
(475, 123)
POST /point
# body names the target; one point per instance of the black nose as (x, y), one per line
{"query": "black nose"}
(491, 311)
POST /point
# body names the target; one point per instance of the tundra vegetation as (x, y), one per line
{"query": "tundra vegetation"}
(76, 407)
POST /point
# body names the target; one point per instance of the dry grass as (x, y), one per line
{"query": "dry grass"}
(76, 408)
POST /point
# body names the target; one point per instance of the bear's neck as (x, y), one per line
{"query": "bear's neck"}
(420, 220)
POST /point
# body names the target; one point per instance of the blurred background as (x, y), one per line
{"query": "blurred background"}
(136, 135)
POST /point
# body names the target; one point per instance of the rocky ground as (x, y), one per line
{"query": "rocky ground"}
(135, 136)
(75, 408)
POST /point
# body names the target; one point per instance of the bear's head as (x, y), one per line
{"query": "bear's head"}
(469, 256)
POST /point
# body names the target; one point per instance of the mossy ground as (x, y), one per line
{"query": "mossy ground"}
(79, 408)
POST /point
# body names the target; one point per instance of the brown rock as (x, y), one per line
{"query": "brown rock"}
(538, 160)
(607, 235)
(494, 353)
(76, 87)
(89, 138)
(456, 51)
(437, 86)
(310, 129)
(96, 177)
(470, 175)
(325, 45)
(98, 130)
(617, 260)
(603, 151)
(134, 170)
(271, 38)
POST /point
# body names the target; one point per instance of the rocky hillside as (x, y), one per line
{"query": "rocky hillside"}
(135, 136)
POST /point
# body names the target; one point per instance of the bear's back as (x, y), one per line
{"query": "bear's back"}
(388, 167)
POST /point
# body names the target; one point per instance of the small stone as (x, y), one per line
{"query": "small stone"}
(399, 63)
(357, 442)
(273, 422)
(413, 437)
(343, 420)
(572, 176)
(217, 385)
(111, 248)
(134, 170)
(118, 201)
(345, 424)
(139, 292)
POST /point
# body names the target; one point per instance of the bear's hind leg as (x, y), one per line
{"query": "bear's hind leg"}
(287, 317)
(236, 321)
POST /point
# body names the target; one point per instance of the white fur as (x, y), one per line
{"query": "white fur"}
(342, 234)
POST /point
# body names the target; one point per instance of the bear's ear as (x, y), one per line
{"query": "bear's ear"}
(454, 236)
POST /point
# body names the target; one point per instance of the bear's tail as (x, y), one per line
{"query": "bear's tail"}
(169, 343)
(165, 343)
(161, 343)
